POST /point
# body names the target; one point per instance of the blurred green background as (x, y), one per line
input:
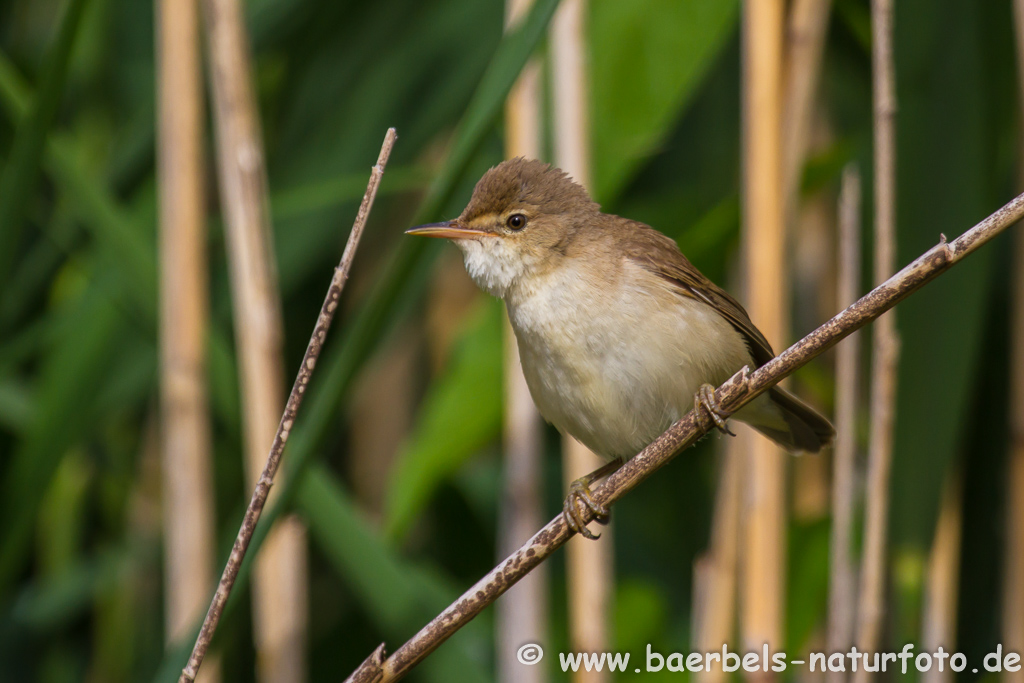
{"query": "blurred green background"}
(395, 536)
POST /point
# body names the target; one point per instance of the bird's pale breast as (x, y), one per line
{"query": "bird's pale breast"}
(613, 358)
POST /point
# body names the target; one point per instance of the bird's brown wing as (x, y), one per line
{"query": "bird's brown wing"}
(801, 428)
(660, 255)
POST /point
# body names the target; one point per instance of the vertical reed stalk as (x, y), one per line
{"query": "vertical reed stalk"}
(809, 220)
(279, 591)
(716, 572)
(941, 592)
(842, 574)
(1013, 582)
(522, 614)
(589, 564)
(885, 341)
(523, 132)
(188, 517)
(382, 415)
(805, 44)
(763, 593)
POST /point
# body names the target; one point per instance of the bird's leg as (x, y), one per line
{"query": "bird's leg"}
(704, 401)
(581, 495)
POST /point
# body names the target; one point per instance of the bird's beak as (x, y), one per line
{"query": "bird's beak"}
(448, 229)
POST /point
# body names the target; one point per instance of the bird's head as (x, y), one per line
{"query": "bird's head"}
(522, 218)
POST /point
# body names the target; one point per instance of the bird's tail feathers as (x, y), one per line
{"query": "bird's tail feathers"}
(792, 424)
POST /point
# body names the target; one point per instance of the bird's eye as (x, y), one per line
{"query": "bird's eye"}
(516, 221)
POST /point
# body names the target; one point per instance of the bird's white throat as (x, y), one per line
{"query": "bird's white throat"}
(493, 264)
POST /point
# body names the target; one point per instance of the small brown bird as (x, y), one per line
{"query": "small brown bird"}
(619, 334)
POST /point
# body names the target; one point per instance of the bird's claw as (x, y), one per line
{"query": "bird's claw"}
(704, 402)
(580, 499)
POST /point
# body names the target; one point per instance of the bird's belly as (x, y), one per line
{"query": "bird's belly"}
(604, 408)
(615, 377)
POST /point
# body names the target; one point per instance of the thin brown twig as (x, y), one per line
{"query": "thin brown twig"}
(739, 390)
(187, 470)
(842, 575)
(316, 341)
(885, 353)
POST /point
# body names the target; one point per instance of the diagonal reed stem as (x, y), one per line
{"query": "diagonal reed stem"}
(259, 496)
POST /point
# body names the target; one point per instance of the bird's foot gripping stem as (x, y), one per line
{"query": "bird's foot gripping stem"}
(580, 498)
(705, 403)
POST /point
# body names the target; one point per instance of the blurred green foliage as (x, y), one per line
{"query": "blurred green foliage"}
(80, 552)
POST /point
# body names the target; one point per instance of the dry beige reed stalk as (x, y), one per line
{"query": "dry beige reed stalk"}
(1013, 568)
(763, 546)
(589, 565)
(187, 471)
(279, 576)
(806, 27)
(1013, 572)
(938, 622)
(842, 599)
(885, 342)
(522, 616)
(716, 572)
